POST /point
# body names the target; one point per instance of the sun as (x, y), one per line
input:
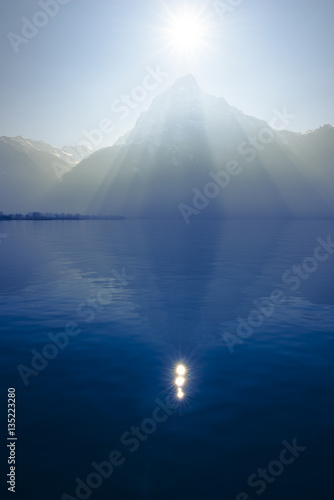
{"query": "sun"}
(187, 32)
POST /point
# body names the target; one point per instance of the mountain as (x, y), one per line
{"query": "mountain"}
(167, 166)
(193, 155)
(29, 169)
(71, 155)
(315, 150)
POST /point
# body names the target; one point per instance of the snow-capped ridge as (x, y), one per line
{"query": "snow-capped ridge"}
(68, 154)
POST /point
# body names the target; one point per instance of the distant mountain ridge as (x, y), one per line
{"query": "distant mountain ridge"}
(180, 145)
(69, 154)
(29, 169)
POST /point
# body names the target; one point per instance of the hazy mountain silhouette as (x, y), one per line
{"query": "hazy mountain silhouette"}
(168, 163)
(29, 169)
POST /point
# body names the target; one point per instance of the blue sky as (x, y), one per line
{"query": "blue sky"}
(263, 54)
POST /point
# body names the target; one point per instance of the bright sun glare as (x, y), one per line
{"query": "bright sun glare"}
(180, 380)
(180, 370)
(187, 32)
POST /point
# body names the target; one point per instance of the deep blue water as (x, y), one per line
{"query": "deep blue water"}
(184, 288)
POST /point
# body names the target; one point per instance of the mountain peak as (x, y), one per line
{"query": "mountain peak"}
(186, 82)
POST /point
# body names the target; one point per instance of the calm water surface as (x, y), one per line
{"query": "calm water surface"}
(145, 296)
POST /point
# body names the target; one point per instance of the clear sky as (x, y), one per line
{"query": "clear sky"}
(258, 55)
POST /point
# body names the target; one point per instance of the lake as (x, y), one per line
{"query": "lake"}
(97, 315)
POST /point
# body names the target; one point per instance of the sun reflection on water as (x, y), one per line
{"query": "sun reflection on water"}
(180, 380)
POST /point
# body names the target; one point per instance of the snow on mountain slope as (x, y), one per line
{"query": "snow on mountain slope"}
(71, 155)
